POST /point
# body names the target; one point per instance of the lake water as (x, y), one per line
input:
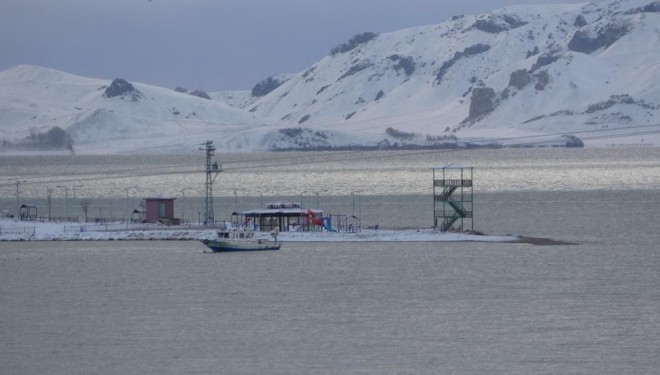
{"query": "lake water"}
(327, 308)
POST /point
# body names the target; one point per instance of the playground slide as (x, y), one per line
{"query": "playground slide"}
(329, 228)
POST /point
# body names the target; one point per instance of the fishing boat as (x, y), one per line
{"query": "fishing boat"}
(240, 240)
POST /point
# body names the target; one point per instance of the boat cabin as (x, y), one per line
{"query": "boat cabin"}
(234, 234)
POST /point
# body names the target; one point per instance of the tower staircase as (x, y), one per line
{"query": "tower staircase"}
(453, 197)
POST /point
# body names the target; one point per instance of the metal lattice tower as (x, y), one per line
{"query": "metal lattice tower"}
(453, 197)
(212, 171)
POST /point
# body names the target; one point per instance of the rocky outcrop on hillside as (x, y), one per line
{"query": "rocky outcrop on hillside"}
(300, 138)
(610, 112)
(619, 99)
(588, 41)
(467, 52)
(356, 68)
(483, 101)
(542, 80)
(122, 88)
(653, 7)
(519, 79)
(354, 42)
(545, 60)
(268, 85)
(200, 94)
(289, 139)
(497, 23)
(580, 21)
(405, 63)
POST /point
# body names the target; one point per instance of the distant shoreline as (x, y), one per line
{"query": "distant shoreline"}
(536, 241)
(385, 236)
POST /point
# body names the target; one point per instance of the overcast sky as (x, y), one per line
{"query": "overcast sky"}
(203, 44)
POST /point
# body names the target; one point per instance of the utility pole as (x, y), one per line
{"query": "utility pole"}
(183, 203)
(49, 192)
(18, 205)
(212, 170)
(66, 199)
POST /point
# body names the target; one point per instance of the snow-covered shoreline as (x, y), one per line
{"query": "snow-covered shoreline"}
(27, 231)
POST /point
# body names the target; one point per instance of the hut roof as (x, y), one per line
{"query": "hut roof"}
(279, 212)
(453, 166)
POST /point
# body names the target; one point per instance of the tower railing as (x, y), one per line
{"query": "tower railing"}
(453, 197)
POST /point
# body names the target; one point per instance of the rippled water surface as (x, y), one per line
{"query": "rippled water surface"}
(352, 308)
(290, 174)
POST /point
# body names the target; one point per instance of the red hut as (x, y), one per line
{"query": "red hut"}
(159, 210)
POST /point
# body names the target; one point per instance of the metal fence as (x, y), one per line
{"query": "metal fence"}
(123, 227)
(112, 227)
(17, 230)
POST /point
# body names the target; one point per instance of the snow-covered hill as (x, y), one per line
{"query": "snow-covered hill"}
(145, 119)
(518, 71)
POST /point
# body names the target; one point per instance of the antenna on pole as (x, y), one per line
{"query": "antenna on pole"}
(212, 171)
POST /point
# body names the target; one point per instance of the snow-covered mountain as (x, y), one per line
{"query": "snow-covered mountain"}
(517, 70)
(521, 70)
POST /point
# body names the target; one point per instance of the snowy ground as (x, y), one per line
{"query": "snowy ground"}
(29, 231)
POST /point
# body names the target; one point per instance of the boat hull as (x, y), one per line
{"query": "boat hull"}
(223, 246)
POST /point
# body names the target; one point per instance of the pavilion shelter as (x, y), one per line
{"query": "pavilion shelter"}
(284, 216)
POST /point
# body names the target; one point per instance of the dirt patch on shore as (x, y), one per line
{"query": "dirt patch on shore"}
(538, 241)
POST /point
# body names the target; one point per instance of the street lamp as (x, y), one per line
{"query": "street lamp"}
(317, 193)
(236, 190)
(202, 194)
(74, 187)
(353, 193)
(66, 199)
(127, 199)
(74, 191)
(183, 203)
(302, 214)
(18, 204)
(261, 199)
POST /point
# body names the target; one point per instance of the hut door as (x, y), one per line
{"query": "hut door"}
(162, 209)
